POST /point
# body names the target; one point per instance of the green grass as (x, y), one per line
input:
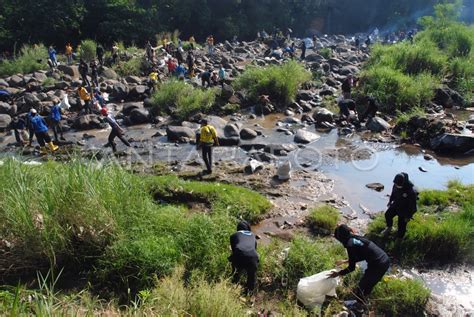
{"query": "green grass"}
(442, 237)
(182, 100)
(31, 58)
(135, 66)
(323, 219)
(82, 215)
(87, 50)
(281, 83)
(404, 117)
(326, 52)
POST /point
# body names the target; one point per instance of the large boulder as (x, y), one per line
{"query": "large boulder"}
(448, 98)
(87, 122)
(138, 92)
(109, 73)
(280, 149)
(16, 81)
(323, 115)
(70, 70)
(304, 137)
(119, 91)
(6, 108)
(232, 130)
(453, 143)
(130, 106)
(139, 116)
(248, 134)
(5, 121)
(377, 124)
(314, 58)
(133, 80)
(178, 133)
(227, 92)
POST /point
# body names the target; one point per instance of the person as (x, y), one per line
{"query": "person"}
(372, 109)
(18, 125)
(171, 65)
(41, 132)
(361, 249)
(84, 70)
(86, 97)
(149, 52)
(115, 53)
(402, 203)
(55, 117)
(222, 75)
(347, 85)
(207, 139)
(244, 255)
(179, 55)
(117, 131)
(94, 73)
(210, 45)
(52, 56)
(368, 41)
(303, 50)
(357, 43)
(214, 78)
(69, 53)
(99, 97)
(190, 62)
(290, 50)
(180, 71)
(206, 78)
(153, 80)
(29, 125)
(192, 42)
(99, 51)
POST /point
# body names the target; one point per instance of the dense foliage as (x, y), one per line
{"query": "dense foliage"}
(58, 22)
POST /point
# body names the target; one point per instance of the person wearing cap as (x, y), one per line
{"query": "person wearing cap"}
(206, 140)
(117, 131)
(244, 255)
(41, 132)
(402, 203)
(361, 249)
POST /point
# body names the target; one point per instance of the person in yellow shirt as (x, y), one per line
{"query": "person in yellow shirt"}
(206, 140)
(69, 53)
(86, 97)
(153, 80)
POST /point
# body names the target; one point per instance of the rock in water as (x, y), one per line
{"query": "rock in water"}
(303, 136)
(377, 124)
(453, 143)
(176, 133)
(247, 134)
(422, 169)
(375, 186)
(284, 171)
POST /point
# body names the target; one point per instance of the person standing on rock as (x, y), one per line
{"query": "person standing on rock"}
(18, 125)
(94, 73)
(361, 249)
(244, 255)
(86, 97)
(117, 131)
(402, 203)
(41, 132)
(69, 53)
(55, 117)
(206, 141)
(149, 52)
(99, 51)
(190, 62)
(52, 56)
(347, 85)
(84, 70)
(222, 75)
(192, 42)
(115, 53)
(303, 50)
(210, 45)
(153, 80)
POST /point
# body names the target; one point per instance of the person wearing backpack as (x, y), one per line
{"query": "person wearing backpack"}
(402, 203)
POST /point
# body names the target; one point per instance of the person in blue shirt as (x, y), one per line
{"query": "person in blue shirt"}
(52, 56)
(222, 75)
(41, 132)
(180, 71)
(55, 117)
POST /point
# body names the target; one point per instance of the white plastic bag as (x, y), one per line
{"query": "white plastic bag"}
(65, 103)
(312, 290)
(284, 171)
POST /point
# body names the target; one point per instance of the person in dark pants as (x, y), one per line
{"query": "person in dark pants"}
(372, 109)
(206, 140)
(303, 50)
(84, 70)
(55, 117)
(361, 249)
(117, 131)
(244, 255)
(94, 73)
(206, 78)
(41, 132)
(18, 125)
(99, 51)
(402, 204)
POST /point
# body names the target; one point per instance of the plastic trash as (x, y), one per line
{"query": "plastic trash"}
(284, 171)
(65, 103)
(312, 290)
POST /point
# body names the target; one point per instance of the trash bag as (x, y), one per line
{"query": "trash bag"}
(65, 103)
(312, 290)
(284, 171)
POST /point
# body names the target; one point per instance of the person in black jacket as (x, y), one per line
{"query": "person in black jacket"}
(244, 254)
(402, 204)
(361, 249)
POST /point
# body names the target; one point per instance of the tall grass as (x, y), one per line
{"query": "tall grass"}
(323, 219)
(31, 58)
(281, 83)
(87, 50)
(135, 66)
(182, 100)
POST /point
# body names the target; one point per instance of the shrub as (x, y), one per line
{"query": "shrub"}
(87, 50)
(231, 108)
(399, 297)
(404, 117)
(326, 52)
(31, 58)
(324, 217)
(281, 83)
(135, 66)
(182, 100)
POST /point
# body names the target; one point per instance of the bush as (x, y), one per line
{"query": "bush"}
(281, 83)
(323, 219)
(87, 50)
(404, 117)
(399, 297)
(182, 100)
(326, 52)
(135, 66)
(30, 59)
